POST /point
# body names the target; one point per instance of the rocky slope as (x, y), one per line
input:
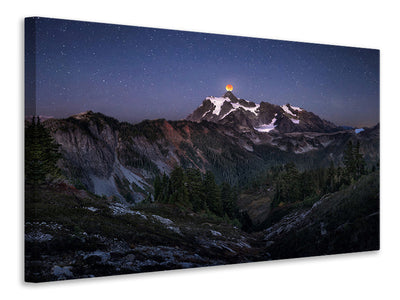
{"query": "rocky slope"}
(345, 221)
(112, 158)
(72, 234)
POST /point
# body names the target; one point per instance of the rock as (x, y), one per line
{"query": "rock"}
(62, 272)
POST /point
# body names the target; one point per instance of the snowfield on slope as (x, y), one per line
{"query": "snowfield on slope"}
(266, 127)
(219, 101)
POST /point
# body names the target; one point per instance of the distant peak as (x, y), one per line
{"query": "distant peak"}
(82, 114)
(231, 96)
(88, 112)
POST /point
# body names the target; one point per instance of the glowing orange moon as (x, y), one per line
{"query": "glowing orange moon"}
(229, 87)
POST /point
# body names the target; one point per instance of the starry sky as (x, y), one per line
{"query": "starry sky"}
(136, 73)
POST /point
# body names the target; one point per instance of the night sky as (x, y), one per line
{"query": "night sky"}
(136, 73)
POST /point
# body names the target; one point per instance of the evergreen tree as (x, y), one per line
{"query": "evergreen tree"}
(348, 161)
(308, 184)
(165, 189)
(195, 189)
(291, 183)
(359, 162)
(229, 200)
(331, 180)
(179, 192)
(354, 162)
(41, 155)
(158, 188)
(212, 194)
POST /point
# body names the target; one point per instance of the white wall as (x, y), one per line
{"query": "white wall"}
(370, 24)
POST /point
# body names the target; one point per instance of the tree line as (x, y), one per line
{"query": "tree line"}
(291, 185)
(199, 192)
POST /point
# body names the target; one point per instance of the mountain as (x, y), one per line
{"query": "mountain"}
(113, 158)
(287, 197)
(247, 116)
(109, 157)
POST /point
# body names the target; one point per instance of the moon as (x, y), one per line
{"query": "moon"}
(229, 87)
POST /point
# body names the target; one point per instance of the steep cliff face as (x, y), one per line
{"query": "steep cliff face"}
(90, 146)
(120, 159)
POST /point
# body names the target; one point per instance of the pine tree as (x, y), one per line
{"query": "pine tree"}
(41, 155)
(179, 193)
(212, 194)
(348, 161)
(291, 183)
(308, 184)
(359, 162)
(331, 180)
(354, 162)
(157, 188)
(195, 189)
(229, 200)
(165, 189)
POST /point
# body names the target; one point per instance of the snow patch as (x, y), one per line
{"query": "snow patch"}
(266, 127)
(168, 223)
(295, 121)
(215, 233)
(288, 111)
(358, 130)
(93, 209)
(296, 108)
(121, 209)
(219, 101)
(162, 220)
(233, 109)
(205, 114)
(251, 109)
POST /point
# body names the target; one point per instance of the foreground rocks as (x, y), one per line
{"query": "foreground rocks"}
(108, 238)
(72, 234)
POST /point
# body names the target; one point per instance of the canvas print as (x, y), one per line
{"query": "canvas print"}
(151, 149)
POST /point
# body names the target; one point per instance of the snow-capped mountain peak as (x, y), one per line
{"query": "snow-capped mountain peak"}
(219, 102)
(248, 116)
(291, 110)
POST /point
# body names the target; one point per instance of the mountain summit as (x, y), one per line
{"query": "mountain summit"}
(248, 116)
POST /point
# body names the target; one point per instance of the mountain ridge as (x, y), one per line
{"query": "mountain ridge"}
(264, 117)
(121, 159)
